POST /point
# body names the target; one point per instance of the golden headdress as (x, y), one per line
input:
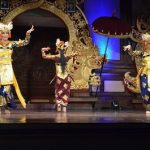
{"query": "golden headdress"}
(146, 37)
(61, 44)
(6, 27)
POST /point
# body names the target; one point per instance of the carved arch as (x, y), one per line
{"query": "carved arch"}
(79, 36)
(45, 6)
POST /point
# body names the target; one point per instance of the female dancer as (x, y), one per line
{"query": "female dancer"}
(141, 83)
(7, 76)
(63, 79)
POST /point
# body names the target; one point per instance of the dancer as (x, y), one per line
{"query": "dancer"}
(7, 76)
(63, 79)
(141, 83)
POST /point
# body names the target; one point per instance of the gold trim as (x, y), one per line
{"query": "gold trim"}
(113, 36)
(18, 92)
(64, 17)
(8, 61)
(6, 51)
(20, 9)
(7, 83)
(79, 34)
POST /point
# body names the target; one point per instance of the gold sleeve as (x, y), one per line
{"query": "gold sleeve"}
(22, 42)
(52, 57)
(49, 56)
(135, 53)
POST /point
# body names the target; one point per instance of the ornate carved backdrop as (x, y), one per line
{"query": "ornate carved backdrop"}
(79, 35)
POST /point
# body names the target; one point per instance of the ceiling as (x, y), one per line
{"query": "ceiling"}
(39, 18)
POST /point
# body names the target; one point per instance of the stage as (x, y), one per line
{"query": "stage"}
(74, 116)
(48, 129)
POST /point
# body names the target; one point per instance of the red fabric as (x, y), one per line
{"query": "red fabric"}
(111, 25)
(59, 86)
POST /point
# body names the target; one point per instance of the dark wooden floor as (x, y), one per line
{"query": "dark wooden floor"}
(76, 129)
(74, 116)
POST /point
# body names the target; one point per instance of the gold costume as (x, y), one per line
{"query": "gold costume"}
(141, 83)
(63, 78)
(7, 76)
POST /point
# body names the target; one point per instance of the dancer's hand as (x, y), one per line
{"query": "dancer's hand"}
(127, 48)
(45, 49)
(31, 30)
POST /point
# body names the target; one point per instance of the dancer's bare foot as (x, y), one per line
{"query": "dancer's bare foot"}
(58, 107)
(148, 112)
(64, 109)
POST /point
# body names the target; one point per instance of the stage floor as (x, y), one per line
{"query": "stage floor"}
(80, 129)
(74, 116)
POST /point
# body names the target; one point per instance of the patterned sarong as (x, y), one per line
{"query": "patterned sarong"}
(62, 90)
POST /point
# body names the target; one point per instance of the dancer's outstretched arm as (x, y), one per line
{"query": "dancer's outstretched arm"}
(25, 41)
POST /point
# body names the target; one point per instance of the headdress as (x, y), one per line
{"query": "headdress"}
(146, 37)
(61, 44)
(6, 27)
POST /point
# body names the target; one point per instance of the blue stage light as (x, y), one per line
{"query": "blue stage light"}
(95, 9)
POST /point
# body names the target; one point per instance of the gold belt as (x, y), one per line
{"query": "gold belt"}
(6, 61)
(6, 52)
